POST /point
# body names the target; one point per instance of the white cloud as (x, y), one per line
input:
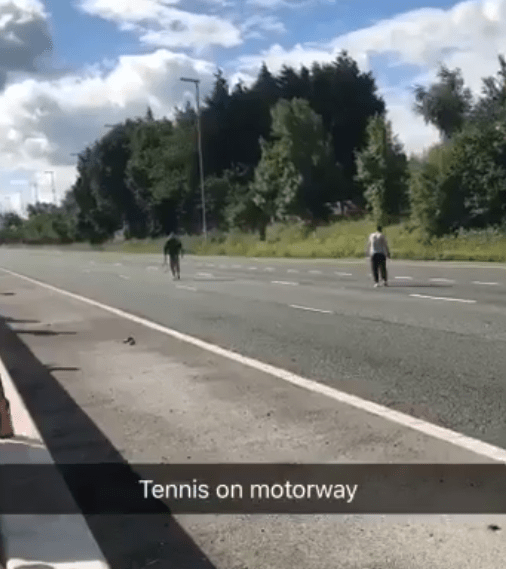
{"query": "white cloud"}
(265, 23)
(24, 36)
(43, 122)
(159, 24)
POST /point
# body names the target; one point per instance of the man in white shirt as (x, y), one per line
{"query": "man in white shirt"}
(377, 250)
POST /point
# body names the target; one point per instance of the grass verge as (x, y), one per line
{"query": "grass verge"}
(343, 239)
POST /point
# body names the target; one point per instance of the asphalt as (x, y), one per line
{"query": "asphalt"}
(437, 358)
(95, 398)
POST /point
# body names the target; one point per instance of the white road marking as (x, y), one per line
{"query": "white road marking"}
(223, 266)
(253, 268)
(444, 298)
(236, 266)
(311, 309)
(124, 277)
(403, 419)
(209, 264)
(405, 278)
(204, 275)
(343, 274)
(292, 271)
(486, 284)
(269, 269)
(285, 283)
(315, 272)
(118, 264)
(186, 287)
(442, 280)
(152, 269)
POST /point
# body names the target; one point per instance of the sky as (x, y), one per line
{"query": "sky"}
(68, 68)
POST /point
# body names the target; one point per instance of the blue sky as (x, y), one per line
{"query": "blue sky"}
(70, 67)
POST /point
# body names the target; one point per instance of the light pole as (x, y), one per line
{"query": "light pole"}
(35, 187)
(53, 186)
(201, 167)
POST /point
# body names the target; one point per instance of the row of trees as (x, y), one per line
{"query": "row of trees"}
(291, 146)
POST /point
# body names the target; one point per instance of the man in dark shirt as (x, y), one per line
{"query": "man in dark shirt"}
(173, 248)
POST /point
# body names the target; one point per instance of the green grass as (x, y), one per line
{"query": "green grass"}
(346, 239)
(343, 239)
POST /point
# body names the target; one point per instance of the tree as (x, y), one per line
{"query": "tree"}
(445, 104)
(345, 98)
(382, 170)
(276, 183)
(461, 184)
(491, 105)
(159, 172)
(310, 151)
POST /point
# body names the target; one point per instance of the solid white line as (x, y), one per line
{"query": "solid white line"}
(204, 275)
(285, 283)
(405, 278)
(487, 284)
(442, 280)
(311, 309)
(186, 287)
(444, 298)
(315, 272)
(435, 431)
(343, 274)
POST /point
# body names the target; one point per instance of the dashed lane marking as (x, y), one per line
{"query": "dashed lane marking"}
(311, 309)
(289, 283)
(444, 298)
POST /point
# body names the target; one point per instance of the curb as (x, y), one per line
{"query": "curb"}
(45, 541)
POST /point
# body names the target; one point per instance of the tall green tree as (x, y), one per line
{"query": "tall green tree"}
(382, 170)
(446, 104)
(310, 151)
(345, 98)
(276, 183)
(491, 106)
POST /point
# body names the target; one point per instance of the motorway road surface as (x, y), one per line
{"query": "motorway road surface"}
(438, 355)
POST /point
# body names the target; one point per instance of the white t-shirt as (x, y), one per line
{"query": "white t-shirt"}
(377, 244)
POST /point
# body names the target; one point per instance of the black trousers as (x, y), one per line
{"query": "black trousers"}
(174, 264)
(379, 263)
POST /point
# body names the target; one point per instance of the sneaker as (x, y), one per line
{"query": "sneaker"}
(376, 285)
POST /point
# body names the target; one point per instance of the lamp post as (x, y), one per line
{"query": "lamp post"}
(201, 167)
(52, 184)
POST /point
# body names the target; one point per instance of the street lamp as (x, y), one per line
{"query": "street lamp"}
(53, 186)
(201, 167)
